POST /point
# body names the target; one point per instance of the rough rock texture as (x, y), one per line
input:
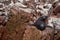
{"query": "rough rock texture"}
(18, 29)
(34, 34)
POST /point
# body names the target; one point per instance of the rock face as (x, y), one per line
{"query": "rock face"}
(34, 34)
(18, 28)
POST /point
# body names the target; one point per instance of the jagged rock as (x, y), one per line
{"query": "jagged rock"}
(17, 28)
(31, 33)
